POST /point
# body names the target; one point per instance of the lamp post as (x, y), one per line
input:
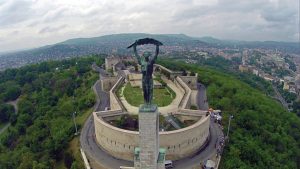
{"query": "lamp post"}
(76, 133)
(227, 136)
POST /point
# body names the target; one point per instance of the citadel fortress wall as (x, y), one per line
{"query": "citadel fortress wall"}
(179, 143)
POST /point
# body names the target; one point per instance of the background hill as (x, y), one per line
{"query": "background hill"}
(117, 44)
(288, 47)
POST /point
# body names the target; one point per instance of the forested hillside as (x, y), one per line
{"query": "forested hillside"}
(48, 94)
(263, 134)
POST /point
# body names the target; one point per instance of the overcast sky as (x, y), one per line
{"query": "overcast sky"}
(34, 23)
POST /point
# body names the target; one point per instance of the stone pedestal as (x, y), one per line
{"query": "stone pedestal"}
(161, 158)
(147, 155)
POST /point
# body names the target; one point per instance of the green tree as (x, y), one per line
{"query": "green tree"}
(262, 133)
(6, 113)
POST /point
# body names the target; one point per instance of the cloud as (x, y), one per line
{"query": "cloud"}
(41, 22)
(14, 11)
(49, 29)
(54, 14)
(281, 12)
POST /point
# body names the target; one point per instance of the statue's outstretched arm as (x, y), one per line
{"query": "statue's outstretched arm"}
(136, 54)
(156, 54)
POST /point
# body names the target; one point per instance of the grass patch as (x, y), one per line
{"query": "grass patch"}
(161, 97)
(127, 122)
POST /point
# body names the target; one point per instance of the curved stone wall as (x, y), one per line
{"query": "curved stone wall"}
(191, 81)
(179, 144)
(183, 92)
(172, 107)
(114, 101)
(186, 100)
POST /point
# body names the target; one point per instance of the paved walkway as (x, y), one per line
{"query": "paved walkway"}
(280, 98)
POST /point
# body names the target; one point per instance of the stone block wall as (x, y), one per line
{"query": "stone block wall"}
(117, 142)
(108, 82)
(191, 81)
(148, 139)
(186, 101)
(115, 104)
(110, 62)
(179, 144)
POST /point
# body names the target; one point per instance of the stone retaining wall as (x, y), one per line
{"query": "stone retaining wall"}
(191, 81)
(179, 144)
(108, 82)
(115, 104)
(186, 101)
(169, 73)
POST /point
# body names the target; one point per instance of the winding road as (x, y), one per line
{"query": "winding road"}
(280, 98)
(99, 159)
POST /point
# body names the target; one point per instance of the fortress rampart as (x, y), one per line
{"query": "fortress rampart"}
(179, 143)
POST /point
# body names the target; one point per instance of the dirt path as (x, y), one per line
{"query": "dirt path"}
(15, 104)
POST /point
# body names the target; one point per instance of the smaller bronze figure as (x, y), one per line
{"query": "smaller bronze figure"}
(146, 61)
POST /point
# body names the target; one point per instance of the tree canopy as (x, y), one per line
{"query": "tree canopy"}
(263, 134)
(49, 93)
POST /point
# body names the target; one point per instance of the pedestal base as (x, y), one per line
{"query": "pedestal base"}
(147, 155)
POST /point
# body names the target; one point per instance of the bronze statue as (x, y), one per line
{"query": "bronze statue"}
(146, 62)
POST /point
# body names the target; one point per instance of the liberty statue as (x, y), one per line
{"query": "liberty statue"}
(146, 61)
